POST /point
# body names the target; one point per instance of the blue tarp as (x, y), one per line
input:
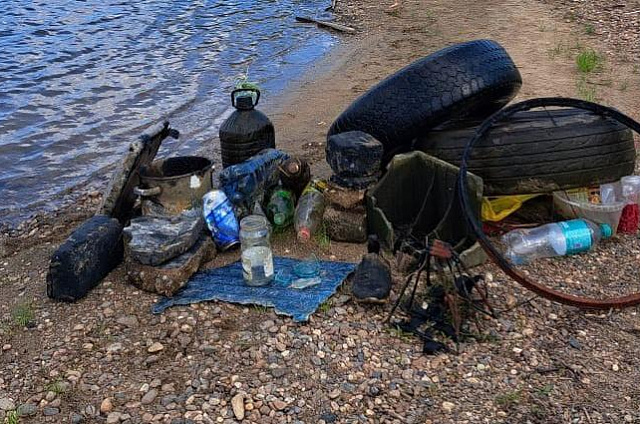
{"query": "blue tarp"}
(226, 284)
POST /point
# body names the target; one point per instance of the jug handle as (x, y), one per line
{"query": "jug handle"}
(255, 90)
(147, 192)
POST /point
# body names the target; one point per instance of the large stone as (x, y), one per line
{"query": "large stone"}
(474, 256)
(153, 240)
(88, 255)
(168, 278)
(237, 404)
(354, 154)
(6, 404)
(346, 200)
(345, 226)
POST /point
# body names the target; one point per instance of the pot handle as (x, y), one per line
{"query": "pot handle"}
(147, 192)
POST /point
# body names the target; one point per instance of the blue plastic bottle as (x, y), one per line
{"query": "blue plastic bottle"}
(223, 224)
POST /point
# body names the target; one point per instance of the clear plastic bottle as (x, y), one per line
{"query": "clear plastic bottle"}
(309, 210)
(557, 239)
(257, 258)
(281, 208)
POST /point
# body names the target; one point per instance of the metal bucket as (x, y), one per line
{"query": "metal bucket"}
(171, 186)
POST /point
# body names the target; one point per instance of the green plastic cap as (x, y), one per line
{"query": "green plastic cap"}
(279, 218)
(607, 232)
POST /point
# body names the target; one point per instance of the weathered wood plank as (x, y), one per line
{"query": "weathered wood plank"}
(119, 198)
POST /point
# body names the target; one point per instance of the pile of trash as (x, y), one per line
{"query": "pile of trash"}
(395, 155)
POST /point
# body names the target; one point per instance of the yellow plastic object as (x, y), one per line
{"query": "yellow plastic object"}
(498, 208)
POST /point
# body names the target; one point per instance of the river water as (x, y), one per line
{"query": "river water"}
(79, 79)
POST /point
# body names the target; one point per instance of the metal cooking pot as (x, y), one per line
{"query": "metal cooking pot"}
(171, 186)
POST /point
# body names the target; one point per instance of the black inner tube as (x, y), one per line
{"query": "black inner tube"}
(492, 251)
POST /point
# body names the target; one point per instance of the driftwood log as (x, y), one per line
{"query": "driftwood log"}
(326, 24)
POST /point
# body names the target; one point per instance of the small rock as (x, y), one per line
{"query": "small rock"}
(27, 410)
(49, 411)
(90, 410)
(237, 404)
(407, 374)
(76, 418)
(7, 404)
(448, 406)
(155, 347)
(113, 418)
(106, 406)
(334, 393)
(6, 347)
(279, 404)
(278, 372)
(329, 417)
(130, 321)
(149, 397)
(114, 348)
(574, 343)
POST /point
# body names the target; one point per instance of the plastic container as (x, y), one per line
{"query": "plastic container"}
(556, 239)
(257, 258)
(246, 131)
(631, 188)
(281, 208)
(631, 212)
(309, 211)
(247, 182)
(223, 224)
(568, 206)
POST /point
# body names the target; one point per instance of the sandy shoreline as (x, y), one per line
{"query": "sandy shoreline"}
(540, 363)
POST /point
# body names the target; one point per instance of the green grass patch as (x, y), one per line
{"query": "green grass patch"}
(588, 61)
(56, 387)
(545, 390)
(261, 309)
(23, 314)
(509, 399)
(589, 29)
(322, 238)
(12, 417)
(325, 306)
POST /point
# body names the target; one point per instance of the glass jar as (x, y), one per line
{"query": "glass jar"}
(257, 259)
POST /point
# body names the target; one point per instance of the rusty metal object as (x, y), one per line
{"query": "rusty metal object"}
(174, 185)
(476, 226)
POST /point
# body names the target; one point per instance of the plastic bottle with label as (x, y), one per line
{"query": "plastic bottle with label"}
(556, 239)
(223, 224)
(310, 210)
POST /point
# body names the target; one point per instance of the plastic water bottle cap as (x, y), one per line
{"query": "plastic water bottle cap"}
(279, 218)
(304, 234)
(607, 232)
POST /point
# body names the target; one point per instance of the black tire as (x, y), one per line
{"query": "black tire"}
(472, 79)
(541, 151)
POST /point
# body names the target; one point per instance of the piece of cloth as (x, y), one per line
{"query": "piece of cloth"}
(227, 284)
